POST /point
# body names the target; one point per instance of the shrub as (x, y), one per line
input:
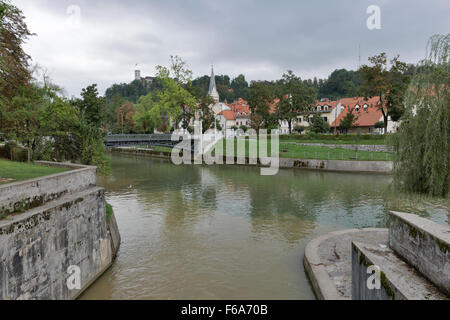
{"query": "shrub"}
(14, 152)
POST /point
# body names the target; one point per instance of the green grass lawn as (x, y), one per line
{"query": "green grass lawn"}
(288, 150)
(369, 142)
(17, 171)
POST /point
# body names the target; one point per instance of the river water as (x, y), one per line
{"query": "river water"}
(225, 232)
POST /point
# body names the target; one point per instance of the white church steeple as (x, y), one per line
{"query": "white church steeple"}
(212, 86)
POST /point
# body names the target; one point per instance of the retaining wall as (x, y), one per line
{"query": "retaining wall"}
(355, 147)
(69, 229)
(23, 195)
(396, 279)
(423, 244)
(327, 165)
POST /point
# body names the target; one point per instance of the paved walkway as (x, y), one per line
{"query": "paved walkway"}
(328, 261)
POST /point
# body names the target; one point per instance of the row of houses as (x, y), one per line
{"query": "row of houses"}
(366, 112)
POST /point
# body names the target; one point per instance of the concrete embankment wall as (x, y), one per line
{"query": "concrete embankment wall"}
(423, 244)
(415, 266)
(327, 165)
(65, 226)
(354, 147)
(23, 195)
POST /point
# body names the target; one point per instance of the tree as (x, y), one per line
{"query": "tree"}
(14, 62)
(295, 98)
(111, 112)
(319, 125)
(244, 128)
(20, 115)
(240, 87)
(341, 83)
(388, 85)
(379, 125)
(92, 106)
(180, 70)
(172, 100)
(124, 116)
(348, 122)
(142, 119)
(206, 114)
(422, 143)
(261, 103)
(299, 128)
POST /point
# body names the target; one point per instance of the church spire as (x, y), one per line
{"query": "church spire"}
(212, 86)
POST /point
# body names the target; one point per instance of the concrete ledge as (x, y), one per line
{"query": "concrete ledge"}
(24, 195)
(384, 167)
(424, 244)
(398, 280)
(38, 246)
(327, 261)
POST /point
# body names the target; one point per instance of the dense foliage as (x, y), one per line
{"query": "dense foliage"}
(34, 116)
(423, 140)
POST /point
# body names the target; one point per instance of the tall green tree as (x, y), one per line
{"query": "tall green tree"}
(387, 83)
(14, 62)
(261, 102)
(92, 106)
(422, 143)
(319, 125)
(142, 119)
(295, 98)
(348, 122)
(172, 100)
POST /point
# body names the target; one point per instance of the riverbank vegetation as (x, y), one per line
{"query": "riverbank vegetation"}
(422, 144)
(11, 171)
(355, 139)
(34, 115)
(294, 151)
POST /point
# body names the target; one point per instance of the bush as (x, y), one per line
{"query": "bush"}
(14, 152)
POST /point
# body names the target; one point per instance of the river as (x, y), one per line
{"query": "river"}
(225, 232)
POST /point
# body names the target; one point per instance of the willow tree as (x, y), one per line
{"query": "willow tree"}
(422, 143)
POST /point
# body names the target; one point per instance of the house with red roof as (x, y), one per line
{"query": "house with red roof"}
(367, 114)
(238, 115)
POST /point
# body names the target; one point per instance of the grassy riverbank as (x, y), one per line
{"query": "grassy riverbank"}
(290, 150)
(338, 139)
(11, 171)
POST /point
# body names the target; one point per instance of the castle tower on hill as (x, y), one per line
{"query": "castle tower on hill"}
(212, 87)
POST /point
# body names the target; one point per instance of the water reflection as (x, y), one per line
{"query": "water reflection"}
(225, 232)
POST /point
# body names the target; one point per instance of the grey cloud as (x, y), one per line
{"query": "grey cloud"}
(259, 38)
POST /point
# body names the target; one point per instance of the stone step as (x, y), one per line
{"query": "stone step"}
(397, 279)
(21, 196)
(424, 244)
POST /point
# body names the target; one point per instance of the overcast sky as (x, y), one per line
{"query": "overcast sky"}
(258, 38)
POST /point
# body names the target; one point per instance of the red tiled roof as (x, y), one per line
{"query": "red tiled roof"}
(330, 104)
(228, 114)
(240, 108)
(367, 117)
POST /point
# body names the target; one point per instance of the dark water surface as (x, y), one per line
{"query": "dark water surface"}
(225, 232)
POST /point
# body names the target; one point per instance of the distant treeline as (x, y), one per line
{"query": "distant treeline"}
(340, 84)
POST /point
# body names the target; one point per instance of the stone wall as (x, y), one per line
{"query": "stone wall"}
(415, 265)
(423, 244)
(70, 229)
(355, 147)
(287, 163)
(23, 195)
